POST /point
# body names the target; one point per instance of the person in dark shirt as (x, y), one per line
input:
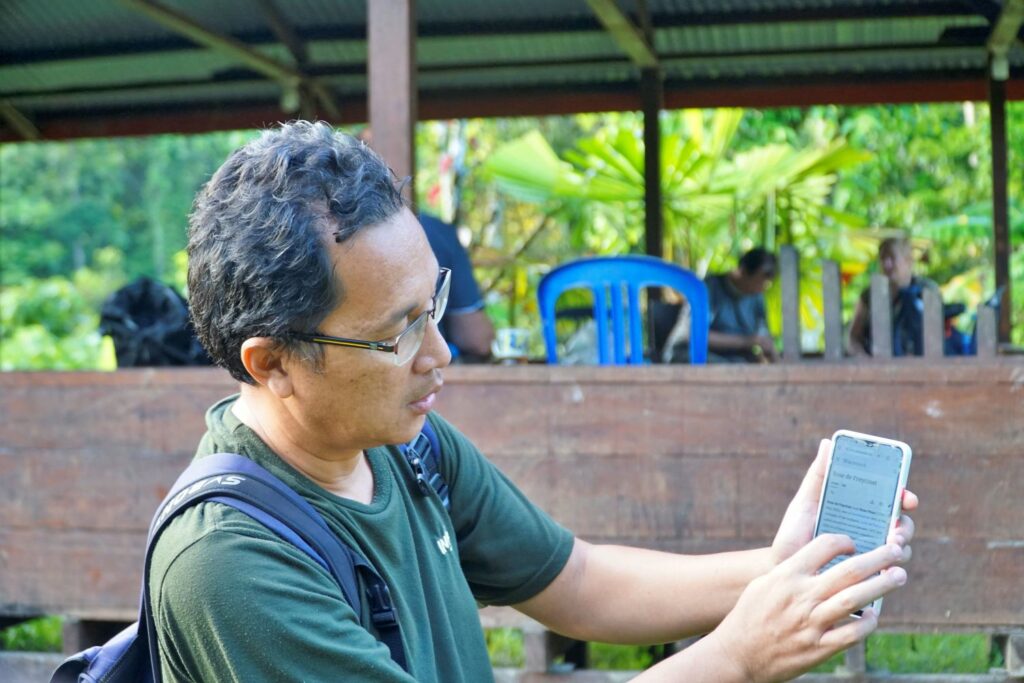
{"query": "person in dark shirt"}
(466, 327)
(896, 260)
(738, 329)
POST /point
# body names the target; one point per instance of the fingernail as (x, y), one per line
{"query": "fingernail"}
(896, 551)
(899, 575)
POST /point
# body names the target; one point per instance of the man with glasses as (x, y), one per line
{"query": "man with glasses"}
(313, 284)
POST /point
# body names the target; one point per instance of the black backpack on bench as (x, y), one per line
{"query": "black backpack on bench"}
(132, 656)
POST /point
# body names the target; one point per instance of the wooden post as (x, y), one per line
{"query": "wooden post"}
(79, 634)
(1000, 200)
(789, 275)
(1013, 654)
(391, 38)
(881, 317)
(651, 93)
(541, 647)
(832, 298)
(934, 324)
(854, 660)
(986, 331)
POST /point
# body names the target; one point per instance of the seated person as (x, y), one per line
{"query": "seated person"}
(738, 329)
(896, 260)
(465, 325)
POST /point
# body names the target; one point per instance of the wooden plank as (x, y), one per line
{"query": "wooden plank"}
(831, 294)
(391, 48)
(987, 331)
(28, 667)
(90, 575)
(955, 584)
(789, 276)
(934, 324)
(881, 317)
(85, 457)
(618, 419)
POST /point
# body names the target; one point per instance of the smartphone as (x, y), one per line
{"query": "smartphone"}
(863, 486)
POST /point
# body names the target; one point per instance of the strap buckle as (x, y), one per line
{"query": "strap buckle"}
(382, 611)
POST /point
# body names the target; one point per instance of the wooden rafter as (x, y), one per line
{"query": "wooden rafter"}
(1007, 28)
(287, 75)
(19, 122)
(625, 33)
(297, 47)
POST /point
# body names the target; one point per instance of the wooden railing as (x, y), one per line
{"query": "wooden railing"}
(881, 315)
(685, 459)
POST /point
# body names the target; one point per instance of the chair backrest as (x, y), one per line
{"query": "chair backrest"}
(615, 282)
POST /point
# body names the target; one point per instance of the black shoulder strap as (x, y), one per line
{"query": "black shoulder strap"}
(241, 483)
(424, 456)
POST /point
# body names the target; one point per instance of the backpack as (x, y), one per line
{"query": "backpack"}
(132, 655)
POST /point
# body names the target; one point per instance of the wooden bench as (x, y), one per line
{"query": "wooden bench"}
(684, 459)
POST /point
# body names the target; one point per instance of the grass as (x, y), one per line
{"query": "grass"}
(892, 652)
(35, 635)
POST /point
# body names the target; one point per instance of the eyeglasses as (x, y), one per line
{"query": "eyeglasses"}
(408, 342)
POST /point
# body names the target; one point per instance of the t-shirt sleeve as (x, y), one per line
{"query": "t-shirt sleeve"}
(761, 316)
(509, 549)
(714, 299)
(464, 295)
(239, 604)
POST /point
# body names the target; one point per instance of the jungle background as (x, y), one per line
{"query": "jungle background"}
(80, 219)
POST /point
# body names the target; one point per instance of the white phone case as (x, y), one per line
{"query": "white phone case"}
(904, 473)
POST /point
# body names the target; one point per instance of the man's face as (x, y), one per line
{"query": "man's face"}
(757, 282)
(897, 264)
(387, 276)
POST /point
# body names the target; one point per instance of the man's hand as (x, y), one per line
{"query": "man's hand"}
(797, 526)
(792, 618)
(766, 345)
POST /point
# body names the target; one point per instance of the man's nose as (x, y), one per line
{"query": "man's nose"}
(434, 351)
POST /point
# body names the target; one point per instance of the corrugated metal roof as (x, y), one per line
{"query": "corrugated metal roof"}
(65, 60)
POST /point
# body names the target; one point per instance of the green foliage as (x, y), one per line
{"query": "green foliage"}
(816, 178)
(35, 635)
(80, 219)
(53, 322)
(505, 647)
(920, 653)
(619, 657)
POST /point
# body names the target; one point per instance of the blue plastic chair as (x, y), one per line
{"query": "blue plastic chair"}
(609, 279)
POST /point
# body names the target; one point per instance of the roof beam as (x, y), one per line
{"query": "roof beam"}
(19, 122)
(284, 32)
(291, 40)
(1006, 28)
(626, 35)
(286, 75)
(764, 93)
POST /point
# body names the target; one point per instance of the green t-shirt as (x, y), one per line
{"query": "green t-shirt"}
(234, 602)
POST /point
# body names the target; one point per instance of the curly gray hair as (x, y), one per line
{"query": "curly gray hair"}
(259, 230)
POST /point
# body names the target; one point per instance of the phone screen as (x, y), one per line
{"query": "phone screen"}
(860, 492)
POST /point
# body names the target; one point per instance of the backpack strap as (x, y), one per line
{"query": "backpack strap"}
(241, 483)
(424, 457)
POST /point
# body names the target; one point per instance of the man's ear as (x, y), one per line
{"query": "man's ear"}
(264, 359)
